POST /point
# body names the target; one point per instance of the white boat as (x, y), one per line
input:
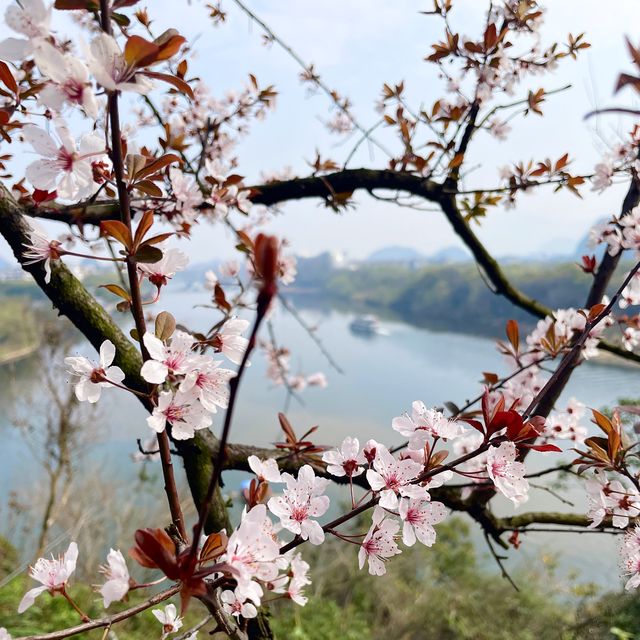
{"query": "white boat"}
(367, 324)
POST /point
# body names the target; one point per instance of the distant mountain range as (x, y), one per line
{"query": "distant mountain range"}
(407, 255)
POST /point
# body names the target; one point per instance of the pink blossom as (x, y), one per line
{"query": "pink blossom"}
(95, 377)
(340, 123)
(30, 18)
(301, 501)
(186, 193)
(266, 470)
(630, 553)
(159, 273)
(287, 269)
(507, 474)
(41, 248)
(603, 173)
(117, 585)
(379, 543)
(630, 338)
(229, 340)
(418, 517)
(234, 604)
(216, 170)
(182, 411)
(391, 478)
(52, 574)
(169, 619)
(251, 550)
(292, 583)
(65, 167)
(230, 269)
(210, 382)
(175, 358)
(210, 280)
(499, 129)
(424, 424)
(630, 295)
(4, 634)
(70, 82)
(317, 379)
(108, 66)
(347, 460)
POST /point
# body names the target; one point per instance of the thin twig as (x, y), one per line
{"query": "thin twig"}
(499, 560)
(107, 621)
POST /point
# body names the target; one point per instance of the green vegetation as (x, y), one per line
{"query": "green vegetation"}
(455, 297)
(447, 593)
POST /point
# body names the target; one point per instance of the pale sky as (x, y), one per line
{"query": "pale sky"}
(356, 45)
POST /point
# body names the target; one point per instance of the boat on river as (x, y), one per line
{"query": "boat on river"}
(367, 325)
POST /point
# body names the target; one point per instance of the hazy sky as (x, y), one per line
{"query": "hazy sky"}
(356, 45)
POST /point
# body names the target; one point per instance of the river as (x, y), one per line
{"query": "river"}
(382, 375)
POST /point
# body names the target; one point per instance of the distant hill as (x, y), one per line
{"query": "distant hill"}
(396, 254)
(408, 255)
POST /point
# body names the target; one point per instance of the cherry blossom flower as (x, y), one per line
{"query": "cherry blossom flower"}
(41, 248)
(93, 378)
(301, 501)
(611, 498)
(52, 574)
(65, 167)
(186, 193)
(70, 82)
(629, 224)
(292, 582)
(425, 423)
(346, 460)
(175, 358)
(216, 170)
(507, 474)
(317, 379)
(597, 501)
(251, 550)
(4, 634)
(630, 557)
(609, 233)
(370, 449)
(108, 66)
(117, 585)
(266, 470)
(418, 518)
(621, 503)
(287, 269)
(182, 411)
(340, 123)
(630, 295)
(391, 477)
(630, 338)
(603, 173)
(233, 603)
(30, 18)
(169, 619)
(159, 273)
(565, 324)
(210, 280)
(242, 201)
(379, 543)
(499, 129)
(230, 269)
(565, 426)
(230, 342)
(298, 570)
(210, 383)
